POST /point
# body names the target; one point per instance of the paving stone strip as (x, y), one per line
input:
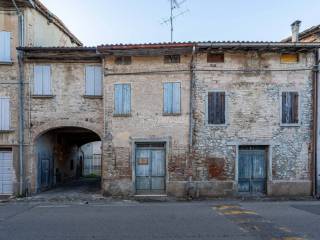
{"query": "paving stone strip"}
(251, 222)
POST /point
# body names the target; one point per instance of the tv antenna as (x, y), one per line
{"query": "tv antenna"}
(174, 5)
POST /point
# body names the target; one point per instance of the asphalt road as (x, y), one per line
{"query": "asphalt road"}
(118, 220)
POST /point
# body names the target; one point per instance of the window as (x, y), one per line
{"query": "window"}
(123, 60)
(4, 113)
(215, 57)
(5, 46)
(93, 81)
(290, 108)
(172, 59)
(122, 99)
(216, 108)
(171, 98)
(42, 80)
(289, 58)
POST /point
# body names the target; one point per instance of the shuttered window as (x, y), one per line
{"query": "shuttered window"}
(93, 81)
(172, 98)
(172, 59)
(42, 80)
(122, 99)
(215, 57)
(216, 108)
(4, 113)
(5, 46)
(290, 107)
(123, 60)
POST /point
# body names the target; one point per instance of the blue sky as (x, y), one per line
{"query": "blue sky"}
(97, 22)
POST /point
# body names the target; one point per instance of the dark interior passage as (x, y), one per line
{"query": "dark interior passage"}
(60, 158)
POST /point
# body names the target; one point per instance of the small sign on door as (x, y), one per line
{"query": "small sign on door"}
(143, 161)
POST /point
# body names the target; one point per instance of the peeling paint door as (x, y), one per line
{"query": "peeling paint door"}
(44, 165)
(150, 170)
(252, 171)
(5, 172)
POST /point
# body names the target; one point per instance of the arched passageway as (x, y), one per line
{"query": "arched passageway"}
(63, 157)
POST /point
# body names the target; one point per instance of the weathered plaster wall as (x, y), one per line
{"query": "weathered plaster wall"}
(313, 38)
(9, 88)
(146, 121)
(253, 116)
(37, 33)
(67, 107)
(40, 32)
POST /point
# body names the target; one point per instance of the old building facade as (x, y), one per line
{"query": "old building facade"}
(181, 119)
(28, 23)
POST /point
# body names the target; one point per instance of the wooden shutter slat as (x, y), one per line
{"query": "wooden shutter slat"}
(37, 80)
(126, 99)
(118, 99)
(46, 80)
(290, 107)
(222, 106)
(97, 81)
(4, 113)
(216, 108)
(176, 97)
(295, 107)
(5, 46)
(89, 80)
(166, 98)
(210, 108)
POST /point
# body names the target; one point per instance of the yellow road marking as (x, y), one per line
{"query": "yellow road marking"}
(239, 212)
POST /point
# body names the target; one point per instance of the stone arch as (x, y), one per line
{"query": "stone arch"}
(46, 127)
(42, 129)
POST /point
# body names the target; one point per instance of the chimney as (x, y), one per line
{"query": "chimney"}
(295, 30)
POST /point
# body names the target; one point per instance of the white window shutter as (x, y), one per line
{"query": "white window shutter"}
(89, 80)
(4, 114)
(46, 80)
(5, 46)
(37, 83)
(97, 81)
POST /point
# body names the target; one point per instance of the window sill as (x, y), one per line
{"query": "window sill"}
(122, 115)
(171, 114)
(217, 125)
(290, 125)
(93, 96)
(7, 131)
(6, 63)
(43, 96)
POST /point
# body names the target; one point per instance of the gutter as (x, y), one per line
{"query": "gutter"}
(258, 44)
(21, 98)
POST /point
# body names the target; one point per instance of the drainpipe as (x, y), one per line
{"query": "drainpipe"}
(192, 76)
(21, 97)
(316, 155)
(189, 188)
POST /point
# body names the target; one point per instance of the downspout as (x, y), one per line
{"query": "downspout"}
(21, 97)
(192, 78)
(190, 191)
(316, 155)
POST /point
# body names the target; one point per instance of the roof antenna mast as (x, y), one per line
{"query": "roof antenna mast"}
(174, 5)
